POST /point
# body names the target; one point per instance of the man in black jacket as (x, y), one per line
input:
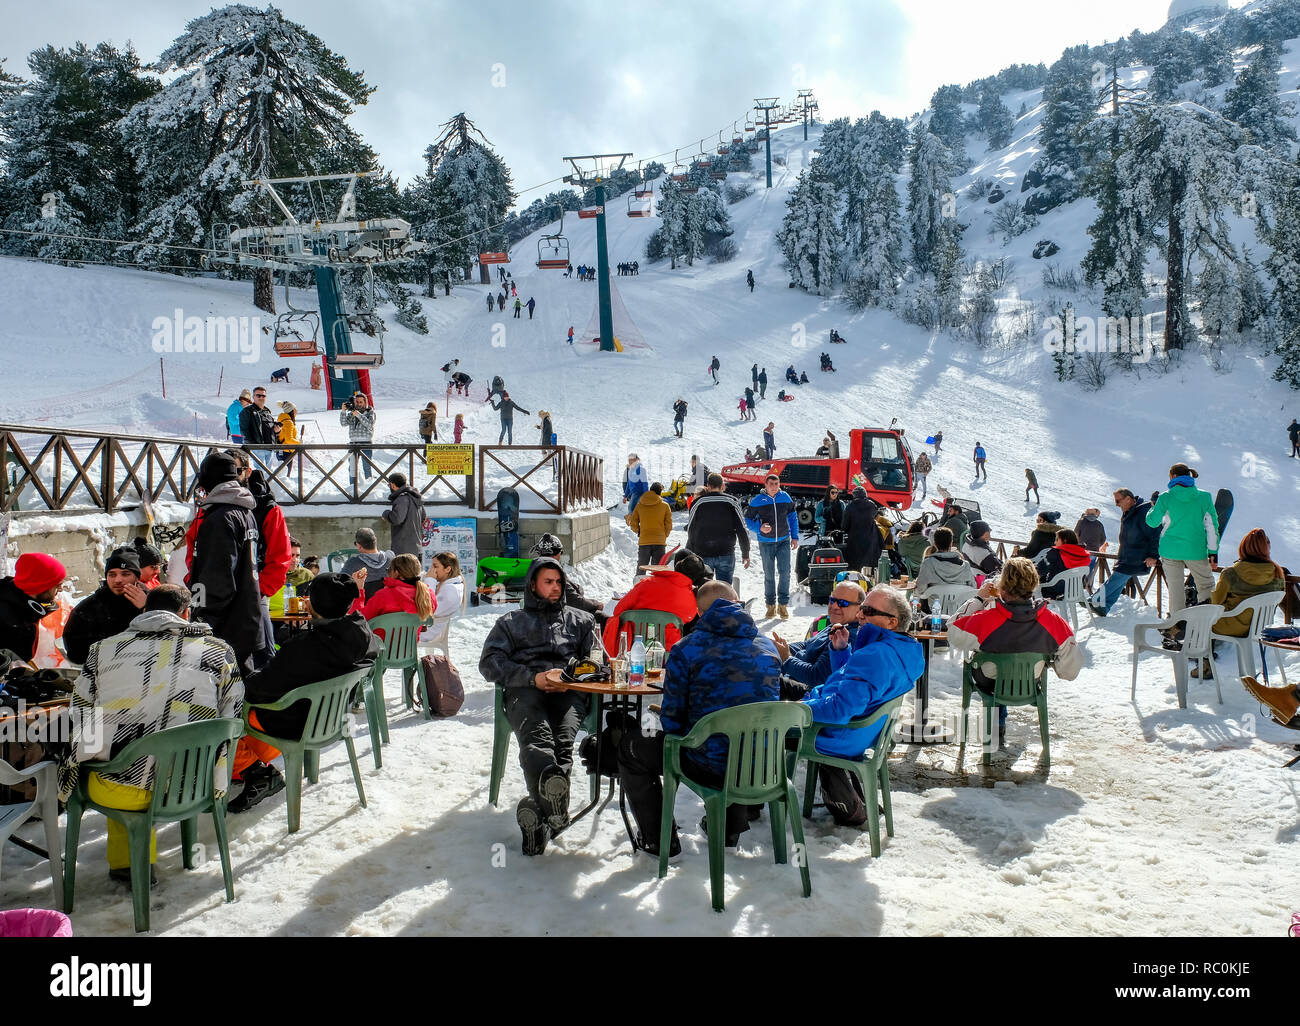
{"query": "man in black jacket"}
(336, 643)
(223, 572)
(521, 654)
(405, 517)
(257, 424)
(713, 529)
(1139, 548)
(26, 598)
(110, 608)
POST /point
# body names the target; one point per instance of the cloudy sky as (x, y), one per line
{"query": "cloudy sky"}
(556, 77)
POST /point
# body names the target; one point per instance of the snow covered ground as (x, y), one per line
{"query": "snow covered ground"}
(1154, 820)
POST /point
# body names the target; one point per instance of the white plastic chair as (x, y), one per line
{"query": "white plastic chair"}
(437, 635)
(950, 597)
(1197, 621)
(46, 803)
(1075, 592)
(1263, 608)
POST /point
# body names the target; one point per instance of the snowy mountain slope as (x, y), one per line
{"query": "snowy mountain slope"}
(78, 330)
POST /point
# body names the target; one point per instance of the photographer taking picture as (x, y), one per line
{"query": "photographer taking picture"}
(357, 416)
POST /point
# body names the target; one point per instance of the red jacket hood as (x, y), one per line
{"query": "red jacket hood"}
(669, 591)
(1073, 555)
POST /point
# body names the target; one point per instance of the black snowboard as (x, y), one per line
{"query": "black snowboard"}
(508, 522)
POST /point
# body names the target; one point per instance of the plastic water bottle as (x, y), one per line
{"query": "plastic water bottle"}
(289, 593)
(936, 622)
(636, 667)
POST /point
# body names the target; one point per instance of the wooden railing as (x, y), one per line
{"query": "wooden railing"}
(75, 470)
(576, 480)
(1139, 588)
(70, 470)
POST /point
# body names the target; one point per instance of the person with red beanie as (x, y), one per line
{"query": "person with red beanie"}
(26, 598)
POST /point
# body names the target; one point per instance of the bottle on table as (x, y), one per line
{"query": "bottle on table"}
(654, 653)
(636, 664)
(884, 570)
(621, 661)
(290, 599)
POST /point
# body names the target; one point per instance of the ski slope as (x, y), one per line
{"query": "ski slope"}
(1154, 820)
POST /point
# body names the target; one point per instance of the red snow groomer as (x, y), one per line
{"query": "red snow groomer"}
(878, 460)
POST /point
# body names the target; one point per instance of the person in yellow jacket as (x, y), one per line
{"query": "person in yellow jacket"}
(652, 520)
(1253, 574)
(286, 430)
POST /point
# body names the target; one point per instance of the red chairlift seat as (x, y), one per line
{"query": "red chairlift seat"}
(587, 213)
(358, 360)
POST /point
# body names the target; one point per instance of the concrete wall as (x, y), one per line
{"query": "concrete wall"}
(83, 542)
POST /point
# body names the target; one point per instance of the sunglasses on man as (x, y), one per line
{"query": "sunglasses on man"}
(844, 603)
(873, 611)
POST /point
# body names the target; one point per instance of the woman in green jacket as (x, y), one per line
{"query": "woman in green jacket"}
(1189, 535)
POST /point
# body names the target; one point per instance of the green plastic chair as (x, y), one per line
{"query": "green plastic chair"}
(335, 560)
(183, 787)
(501, 743)
(872, 767)
(327, 722)
(643, 618)
(755, 775)
(1021, 680)
(399, 652)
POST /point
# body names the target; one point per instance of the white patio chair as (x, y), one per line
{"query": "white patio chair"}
(949, 597)
(1262, 608)
(1197, 621)
(1075, 592)
(46, 803)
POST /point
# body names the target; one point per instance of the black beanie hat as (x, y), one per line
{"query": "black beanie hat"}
(124, 558)
(216, 469)
(332, 594)
(688, 563)
(148, 555)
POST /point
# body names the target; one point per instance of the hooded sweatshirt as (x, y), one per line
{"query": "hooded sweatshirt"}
(223, 571)
(376, 566)
(881, 665)
(1243, 580)
(538, 636)
(667, 592)
(941, 569)
(981, 557)
(1056, 560)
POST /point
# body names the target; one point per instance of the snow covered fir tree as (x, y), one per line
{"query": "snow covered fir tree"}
(449, 316)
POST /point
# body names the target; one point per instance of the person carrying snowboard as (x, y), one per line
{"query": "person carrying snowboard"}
(714, 367)
(1031, 484)
(679, 416)
(980, 455)
(749, 280)
(762, 383)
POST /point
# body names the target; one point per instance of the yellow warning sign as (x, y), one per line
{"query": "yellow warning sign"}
(449, 459)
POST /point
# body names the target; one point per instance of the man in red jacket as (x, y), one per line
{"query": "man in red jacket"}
(668, 591)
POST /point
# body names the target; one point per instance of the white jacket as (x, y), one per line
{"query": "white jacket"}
(450, 595)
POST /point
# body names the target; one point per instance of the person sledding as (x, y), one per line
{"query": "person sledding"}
(791, 375)
(836, 338)
(827, 366)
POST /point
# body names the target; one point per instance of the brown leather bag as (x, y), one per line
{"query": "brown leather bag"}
(442, 682)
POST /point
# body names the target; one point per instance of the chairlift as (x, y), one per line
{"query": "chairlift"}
(587, 213)
(644, 190)
(354, 359)
(723, 149)
(635, 209)
(553, 250)
(296, 331)
(679, 170)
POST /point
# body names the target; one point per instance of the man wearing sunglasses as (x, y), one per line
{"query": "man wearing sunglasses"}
(882, 664)
(809, 662)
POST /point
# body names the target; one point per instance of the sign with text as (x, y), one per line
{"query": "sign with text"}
(449, 459)
(453, 534)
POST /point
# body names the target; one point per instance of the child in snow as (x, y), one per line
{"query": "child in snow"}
(459, 427)
(744, 408)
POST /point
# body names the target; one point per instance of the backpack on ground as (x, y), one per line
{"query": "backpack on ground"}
(442, 682)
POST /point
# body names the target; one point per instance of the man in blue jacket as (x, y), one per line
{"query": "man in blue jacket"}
(1139, 548)
(771, 516)
(808, 663)
(883, 664)
(723, 662)
(233, 431)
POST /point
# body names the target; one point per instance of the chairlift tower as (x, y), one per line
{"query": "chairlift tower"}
(327, 247)
(591, 171)
(806, 103)
(767, 104)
